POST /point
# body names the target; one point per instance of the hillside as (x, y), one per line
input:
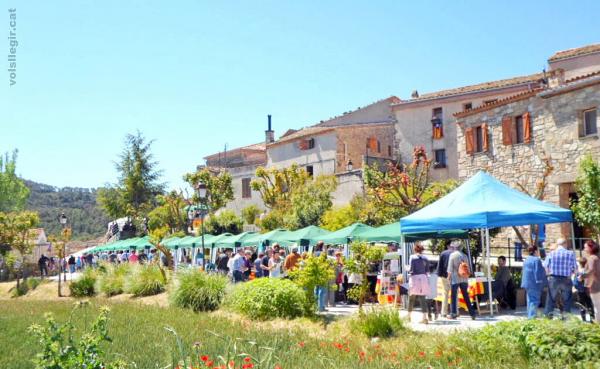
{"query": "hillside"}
(87, 219)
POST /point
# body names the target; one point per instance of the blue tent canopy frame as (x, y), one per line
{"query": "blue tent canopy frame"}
(483, 202)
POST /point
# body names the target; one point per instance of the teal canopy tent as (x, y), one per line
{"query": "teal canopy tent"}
(265, 239)
(234, 241)
(344, 235)
(392, 233)
(196, 241)
(307, 236)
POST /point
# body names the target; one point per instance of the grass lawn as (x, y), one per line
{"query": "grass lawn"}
(140, 338)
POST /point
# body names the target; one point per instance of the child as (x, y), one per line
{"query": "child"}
(432, 304)
(583, 298)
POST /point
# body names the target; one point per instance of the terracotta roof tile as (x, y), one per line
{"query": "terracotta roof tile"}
(509, 82)
(589, 49)
(499, 102)
(307, 131)
(253, 147)
(391, 100)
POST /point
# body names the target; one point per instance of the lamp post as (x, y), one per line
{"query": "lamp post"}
(202, 192)
(349, 166)
(63, 220)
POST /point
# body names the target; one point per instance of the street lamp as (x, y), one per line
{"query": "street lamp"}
(349, 165)
(62, 220)
(202, 192)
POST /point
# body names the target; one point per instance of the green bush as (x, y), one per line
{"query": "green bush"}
(197, 290)
(33, 283)
(25, 286)
(84, 285)
(561, 342)
(378, 323)
(112, 281)
(266, 298)
(145, 280)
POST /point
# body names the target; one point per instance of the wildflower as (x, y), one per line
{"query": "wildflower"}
(209, 363)
(197, 344)
(231, 364)
(277, 367)
(301, 344)
(438, 354)
(421, 354)
(204, 358)
(347, 349)
(247, 359)
(338, 345)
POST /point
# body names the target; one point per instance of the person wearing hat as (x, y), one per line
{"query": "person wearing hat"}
(291, 261)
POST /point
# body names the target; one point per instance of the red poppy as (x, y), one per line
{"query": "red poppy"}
(209, 363)
(421, 354)
(301, 344)
(247, 359)
(204, 357)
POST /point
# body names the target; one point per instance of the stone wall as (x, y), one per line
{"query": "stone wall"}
(555, 135)
(352, 144)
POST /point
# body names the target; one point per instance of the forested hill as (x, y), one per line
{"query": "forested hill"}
(87, 219)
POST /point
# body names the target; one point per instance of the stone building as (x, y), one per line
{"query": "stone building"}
(513, 138)
(241, 163)
(427, 120)
(339, 150)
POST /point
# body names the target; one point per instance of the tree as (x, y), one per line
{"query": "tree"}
(225, 222)
(340, 217)
(295, 199)
(276, 186)
(219, 187)
(13, 191)
(404, 189)
(169, 213)
(15, 231)
(138, 183)
(317, 271)
(587, 207)
(362, 256)
(311, 201)
(250, 213)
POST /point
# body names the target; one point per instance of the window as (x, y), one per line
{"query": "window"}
(389, 150)
(467, 106)
(378, 146)
(519, 129)
(440, 158)
(309, 170)
(590, 122)
(311, 143)
(436, 122)
(516, 130)
(478, 139)
(246, 190)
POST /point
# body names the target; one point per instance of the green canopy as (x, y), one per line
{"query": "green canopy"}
(167, 241)
(196, 241)
(234, 241)
(216, 239)
(392, 233)
(141, 243)
(307, 236)
(344, 235)
(276, 235)
(175, 244)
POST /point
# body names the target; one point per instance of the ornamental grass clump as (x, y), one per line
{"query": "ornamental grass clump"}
(267, 298)
(112, 281)
(378, 323)
(145, 280)
(84, 286)
(195, 289)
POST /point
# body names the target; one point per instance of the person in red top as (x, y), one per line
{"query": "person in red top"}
(133, 258)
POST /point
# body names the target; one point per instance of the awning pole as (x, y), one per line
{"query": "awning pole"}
(489, 270)
(469, 255)
(573, 236)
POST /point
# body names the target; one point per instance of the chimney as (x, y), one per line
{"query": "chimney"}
(269, 133)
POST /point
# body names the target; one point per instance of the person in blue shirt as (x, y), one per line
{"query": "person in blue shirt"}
(533, 280)
(560, 266)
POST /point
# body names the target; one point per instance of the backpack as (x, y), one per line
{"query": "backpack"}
(463, 270)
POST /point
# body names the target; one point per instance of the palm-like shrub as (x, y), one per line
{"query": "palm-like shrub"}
(145, 280)
(197, 290)
(266, 298)
(112, 281)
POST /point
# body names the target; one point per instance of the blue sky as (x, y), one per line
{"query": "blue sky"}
(195, 75)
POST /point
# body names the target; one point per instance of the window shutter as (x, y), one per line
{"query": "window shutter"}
(527, 128)
(581, 125)
(372, 143)
(469, 140)
(303, 144)
(507, 130)
(484, 133)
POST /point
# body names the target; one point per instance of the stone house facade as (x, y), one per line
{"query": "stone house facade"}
(514, 138)
(427, 120)
(241, 163)
(335, 150)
